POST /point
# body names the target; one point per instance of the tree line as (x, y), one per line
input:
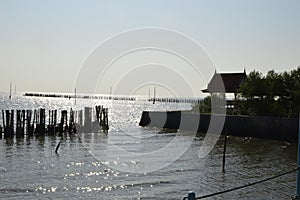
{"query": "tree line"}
(275, 94)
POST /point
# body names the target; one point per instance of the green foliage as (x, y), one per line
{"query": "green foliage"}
(205, 105)
(276, 94)
(254, 86)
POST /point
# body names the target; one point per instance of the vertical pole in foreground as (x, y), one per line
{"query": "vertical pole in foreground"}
(224, 152)
(298, 164)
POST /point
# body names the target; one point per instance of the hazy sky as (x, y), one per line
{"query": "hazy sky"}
(44, 43)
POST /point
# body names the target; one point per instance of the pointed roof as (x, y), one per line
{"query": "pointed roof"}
(225, 82)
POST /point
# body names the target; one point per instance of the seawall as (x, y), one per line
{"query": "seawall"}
(276, 128)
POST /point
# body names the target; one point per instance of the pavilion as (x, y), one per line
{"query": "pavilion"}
(225, 83)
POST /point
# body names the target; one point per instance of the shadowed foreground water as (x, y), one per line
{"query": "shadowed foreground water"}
(30, 169)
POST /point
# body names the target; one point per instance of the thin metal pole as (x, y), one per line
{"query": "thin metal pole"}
(298, 165)
(10, 85)
(75, 96)
(154, 95)
(224, 152)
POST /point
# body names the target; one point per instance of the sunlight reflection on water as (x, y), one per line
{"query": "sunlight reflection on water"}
(29, 168)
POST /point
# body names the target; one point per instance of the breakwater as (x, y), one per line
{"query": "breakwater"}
(245, 126)
(78, 96)
(122, 98)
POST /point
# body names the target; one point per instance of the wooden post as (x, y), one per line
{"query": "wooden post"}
(3, 120)
(8, 124)
(80, 118)
(106, 119)
(20, 123)
(57, 147)
(63, 122)
(43, 119)
(40, 122)
(18, 128)
(49, 119)
(29, 126)
(102, 117)
(34, 122)
(23, 122)
(11, 125)
(98, 113)
(55, 117)
(51, 127)
(72, 128)
(87, 119)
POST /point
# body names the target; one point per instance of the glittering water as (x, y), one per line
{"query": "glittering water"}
(30, 169)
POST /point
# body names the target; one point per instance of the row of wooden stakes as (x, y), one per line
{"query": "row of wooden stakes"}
(34, 123)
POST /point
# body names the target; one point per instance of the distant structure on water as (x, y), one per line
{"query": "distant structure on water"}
(122, 98)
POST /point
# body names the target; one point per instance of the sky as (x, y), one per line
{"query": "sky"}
(44, 44)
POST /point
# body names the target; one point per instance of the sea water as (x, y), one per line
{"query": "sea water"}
(30, 168)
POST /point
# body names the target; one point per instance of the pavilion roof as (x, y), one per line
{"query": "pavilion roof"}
(225, 82)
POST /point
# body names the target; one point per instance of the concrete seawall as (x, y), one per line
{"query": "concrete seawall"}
(246, 126)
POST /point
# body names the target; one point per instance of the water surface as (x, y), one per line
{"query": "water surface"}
(30, 169)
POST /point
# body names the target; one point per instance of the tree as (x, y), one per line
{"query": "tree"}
(295, 92)
(253, 89)
(276, 94)
(216, 99)
(253, 86)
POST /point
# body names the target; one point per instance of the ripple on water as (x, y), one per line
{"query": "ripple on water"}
(30, 169)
